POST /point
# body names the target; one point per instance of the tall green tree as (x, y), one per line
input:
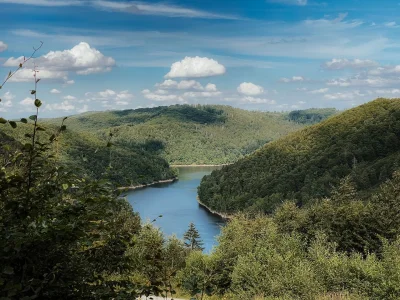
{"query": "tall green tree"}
(192, 238)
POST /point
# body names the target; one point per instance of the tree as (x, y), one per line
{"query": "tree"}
(192, 238)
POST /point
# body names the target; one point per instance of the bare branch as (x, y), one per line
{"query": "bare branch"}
(11, 74)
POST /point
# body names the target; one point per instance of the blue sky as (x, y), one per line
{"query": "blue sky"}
(261, 54)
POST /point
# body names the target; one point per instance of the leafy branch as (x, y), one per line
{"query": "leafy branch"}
(11, 74)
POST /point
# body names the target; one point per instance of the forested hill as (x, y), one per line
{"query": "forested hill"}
(88, 153)
(185, 134)
(363, 142)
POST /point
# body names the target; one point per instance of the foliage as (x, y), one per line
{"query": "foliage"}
(312, 115)
(192, 238)
(362, 143)
(185, 134)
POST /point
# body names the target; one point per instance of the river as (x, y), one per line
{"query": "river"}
(177, 204)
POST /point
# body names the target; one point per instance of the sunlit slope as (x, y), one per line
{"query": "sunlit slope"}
(363, 142)
(185, 134)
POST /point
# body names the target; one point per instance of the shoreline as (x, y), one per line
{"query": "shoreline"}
(141, 186)
(221, 215)
(175, 166)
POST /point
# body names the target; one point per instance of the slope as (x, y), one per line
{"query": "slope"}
(363, 142)
(185, 134)
(88, 153)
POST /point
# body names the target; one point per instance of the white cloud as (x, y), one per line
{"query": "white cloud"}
(44, 2)
(3, 46)
(27, 101)
(109, 98)
(64, 106)
(290, 2)
(81, 59)
(168, 83)
(55, 91)
(250, 89)
(210, 87)
(254, 100)
(189, 84)
(386, 92)
(342, 63)
(320, 91)
(83, 109)
(367, 81)
(293, 79)
(195, 67)
(6, 101)
(70, 82)
(69, 97)
(344, 96)
(155, 97)
(158, 9)
(391, 24)
(201, 94)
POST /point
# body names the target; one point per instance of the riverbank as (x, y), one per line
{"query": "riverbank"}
(175, 166)
(141, 186)
(221, 215)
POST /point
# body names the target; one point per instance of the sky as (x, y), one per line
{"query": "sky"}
(269, 55)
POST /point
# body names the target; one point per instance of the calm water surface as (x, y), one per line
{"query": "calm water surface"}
(178, 205)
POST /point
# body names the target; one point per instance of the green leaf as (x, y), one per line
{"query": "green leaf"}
(38, 103)
(3, 121)
(33, 92)
(28, 135)
(23, 120)
(109, 144)
(33, 117)
(8, 270)
(65, 186)
(63, 128)
(13, 124)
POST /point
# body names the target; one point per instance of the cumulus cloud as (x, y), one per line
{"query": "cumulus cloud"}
(191, 67)
(81, 59)
(250, 89)
(109, 97)
(293, 79)
(55, 91)
(63, 106)
(210, 87)
(343, 63)
(6, 101)
(3, 46)
(28, 101)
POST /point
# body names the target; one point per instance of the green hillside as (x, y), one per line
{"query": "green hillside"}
(88, 153)
(363, 142)
(185, 134)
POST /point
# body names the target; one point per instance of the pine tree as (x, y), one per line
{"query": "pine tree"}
(192, 238)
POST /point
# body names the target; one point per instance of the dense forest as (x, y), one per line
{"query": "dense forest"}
(362, 143)
(83, 151)
(186, 134)
(311, 115)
